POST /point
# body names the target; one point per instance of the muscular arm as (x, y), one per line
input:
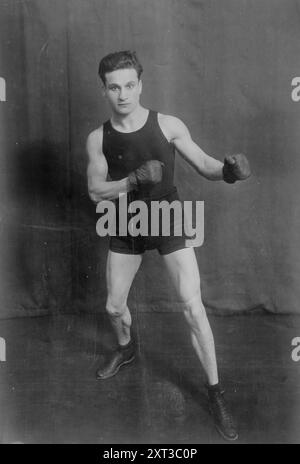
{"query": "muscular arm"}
(179, 136)
(98, 186)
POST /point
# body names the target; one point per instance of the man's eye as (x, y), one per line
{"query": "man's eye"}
(130, 86)
(114, 89)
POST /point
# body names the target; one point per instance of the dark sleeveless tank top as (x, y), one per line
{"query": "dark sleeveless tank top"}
(125, 152)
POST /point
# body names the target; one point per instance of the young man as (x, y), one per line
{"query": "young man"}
(136, 149)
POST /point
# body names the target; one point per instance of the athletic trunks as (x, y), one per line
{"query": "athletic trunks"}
(164, 244)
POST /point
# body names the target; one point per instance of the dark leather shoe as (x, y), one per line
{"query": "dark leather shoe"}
(222, 417)
(120, 357)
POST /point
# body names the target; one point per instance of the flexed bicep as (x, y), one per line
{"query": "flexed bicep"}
(99, 186)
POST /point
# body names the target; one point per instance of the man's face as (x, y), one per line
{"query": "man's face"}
(122, 90)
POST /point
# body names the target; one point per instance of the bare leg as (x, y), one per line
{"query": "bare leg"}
(184, 271)
(120, 272)
(183, 268)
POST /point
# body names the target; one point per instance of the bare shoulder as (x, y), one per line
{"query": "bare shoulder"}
(94, 141)
(171, 126)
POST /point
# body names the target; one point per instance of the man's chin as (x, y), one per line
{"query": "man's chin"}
(123, 110)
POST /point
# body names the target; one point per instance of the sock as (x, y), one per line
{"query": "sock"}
(125, 347)
(214, 388)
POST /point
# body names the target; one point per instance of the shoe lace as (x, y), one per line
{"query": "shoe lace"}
(222, 407)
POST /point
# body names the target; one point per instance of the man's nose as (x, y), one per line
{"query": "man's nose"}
(122, 94)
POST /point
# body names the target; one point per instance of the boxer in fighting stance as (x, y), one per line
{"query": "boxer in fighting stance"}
(133, 154)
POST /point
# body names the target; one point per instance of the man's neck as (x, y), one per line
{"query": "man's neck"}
(130, 122)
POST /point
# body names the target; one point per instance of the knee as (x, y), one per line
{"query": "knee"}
(194, 309)
(189, 290)
(115, 306)
(192, 299)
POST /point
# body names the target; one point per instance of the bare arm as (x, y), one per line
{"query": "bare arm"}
(178, 134)
(98, 186)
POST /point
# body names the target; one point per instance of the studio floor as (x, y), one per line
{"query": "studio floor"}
(48, 391)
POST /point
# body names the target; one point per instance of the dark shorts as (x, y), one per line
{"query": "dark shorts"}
(164, 244)
(138, 245)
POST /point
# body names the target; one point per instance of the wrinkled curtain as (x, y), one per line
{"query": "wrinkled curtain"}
(225, 68)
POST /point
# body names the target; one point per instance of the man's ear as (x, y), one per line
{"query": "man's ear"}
(141, 85)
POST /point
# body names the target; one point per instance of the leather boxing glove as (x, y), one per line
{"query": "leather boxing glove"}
(236, 167)
(149, 173)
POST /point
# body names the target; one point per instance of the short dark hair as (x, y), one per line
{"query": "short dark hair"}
(119, 60)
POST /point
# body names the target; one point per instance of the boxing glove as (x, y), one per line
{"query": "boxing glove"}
(149, 173)
(236, 167)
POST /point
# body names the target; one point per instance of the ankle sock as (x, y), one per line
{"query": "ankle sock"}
(214, 388)
(125, 347)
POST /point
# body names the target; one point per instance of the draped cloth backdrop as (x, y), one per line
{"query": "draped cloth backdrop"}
(225, 68)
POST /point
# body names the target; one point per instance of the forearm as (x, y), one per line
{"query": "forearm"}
(206, 166)
(107, 190)
(212, 169)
